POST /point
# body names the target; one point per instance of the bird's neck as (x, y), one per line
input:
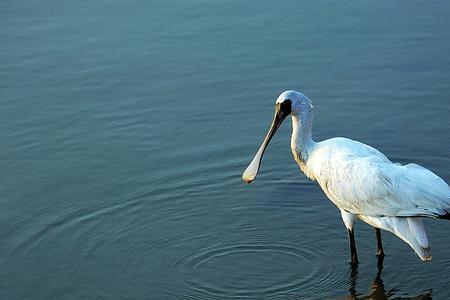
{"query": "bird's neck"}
(301, 140)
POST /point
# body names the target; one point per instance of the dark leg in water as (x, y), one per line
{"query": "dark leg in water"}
(354, 254)
(380, 252)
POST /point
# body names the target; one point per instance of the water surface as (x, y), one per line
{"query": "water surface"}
(126, 126)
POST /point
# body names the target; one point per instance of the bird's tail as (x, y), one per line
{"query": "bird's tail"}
(411, 230)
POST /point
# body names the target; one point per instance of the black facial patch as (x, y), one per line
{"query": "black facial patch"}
(286, 106)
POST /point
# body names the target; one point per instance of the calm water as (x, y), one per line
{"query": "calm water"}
(126, 125)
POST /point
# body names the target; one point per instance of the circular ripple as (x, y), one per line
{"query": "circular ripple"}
(256, 270)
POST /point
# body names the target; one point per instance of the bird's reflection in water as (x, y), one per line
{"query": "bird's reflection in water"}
(377, 290)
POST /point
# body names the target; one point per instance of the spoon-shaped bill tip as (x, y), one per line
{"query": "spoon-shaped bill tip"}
(247, 179)
(250, 173)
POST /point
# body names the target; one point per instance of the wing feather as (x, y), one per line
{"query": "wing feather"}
(361, 180)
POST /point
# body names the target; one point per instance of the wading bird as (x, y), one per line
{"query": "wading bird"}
(360, 180)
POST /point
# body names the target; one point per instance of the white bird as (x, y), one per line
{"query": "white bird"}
(360, 180)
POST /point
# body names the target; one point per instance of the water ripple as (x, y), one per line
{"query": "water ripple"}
(249, 270)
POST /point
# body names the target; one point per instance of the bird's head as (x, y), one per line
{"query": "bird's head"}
(288, 103)
(297, 102)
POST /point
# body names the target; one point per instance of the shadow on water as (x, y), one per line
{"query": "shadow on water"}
(377, 289)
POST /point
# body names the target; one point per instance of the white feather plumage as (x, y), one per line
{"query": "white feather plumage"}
(362, 182)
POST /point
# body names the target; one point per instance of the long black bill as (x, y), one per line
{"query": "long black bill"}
(282, 110)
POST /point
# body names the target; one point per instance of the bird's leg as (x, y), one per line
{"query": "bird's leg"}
(353, 281)
(380, 251)
(353, 252)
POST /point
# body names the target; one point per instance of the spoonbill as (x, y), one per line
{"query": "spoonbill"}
(360, 180)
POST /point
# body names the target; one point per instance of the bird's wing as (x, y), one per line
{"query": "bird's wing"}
(373, 186)
(421, 187)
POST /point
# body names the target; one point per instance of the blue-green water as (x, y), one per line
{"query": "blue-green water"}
(125, 127)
